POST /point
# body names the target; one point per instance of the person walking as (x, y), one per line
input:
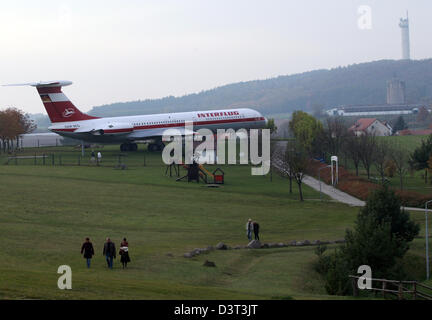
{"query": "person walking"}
(99, 157)
(256, 230)
(93, 156)
(249, 228)
(109, 251)
(124, 253)
(87, 248)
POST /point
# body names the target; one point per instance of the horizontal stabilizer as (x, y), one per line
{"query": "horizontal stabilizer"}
(56, 83)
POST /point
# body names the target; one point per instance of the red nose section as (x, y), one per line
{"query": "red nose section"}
(58, 106)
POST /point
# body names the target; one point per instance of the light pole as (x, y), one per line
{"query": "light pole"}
(319, 178)
(427, 239)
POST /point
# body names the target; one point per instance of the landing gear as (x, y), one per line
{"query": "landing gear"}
(128, 147)
(152, 147)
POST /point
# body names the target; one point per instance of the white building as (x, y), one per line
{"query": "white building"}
(371, 126)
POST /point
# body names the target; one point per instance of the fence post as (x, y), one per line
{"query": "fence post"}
(400, 291)
(384, 284)
(414, 290)
(354, 286)
(43, 158)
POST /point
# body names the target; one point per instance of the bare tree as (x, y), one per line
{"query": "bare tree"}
(352, 149)
(400, 158)
(335, 134)
(297, 160)
(280, 161)
(381, 157)
(367, 151)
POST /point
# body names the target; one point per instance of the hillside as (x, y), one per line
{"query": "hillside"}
(363, 83)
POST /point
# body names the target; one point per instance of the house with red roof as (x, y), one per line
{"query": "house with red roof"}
(371, 126)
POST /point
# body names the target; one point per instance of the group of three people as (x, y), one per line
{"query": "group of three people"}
(252, 226)
(109, 252)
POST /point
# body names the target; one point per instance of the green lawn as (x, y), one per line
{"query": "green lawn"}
(409, 143)
(47, 211)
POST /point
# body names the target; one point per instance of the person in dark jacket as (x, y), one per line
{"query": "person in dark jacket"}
(88, 250)
(256, 230)
(109, 251)
(124, 253)
(249, 228)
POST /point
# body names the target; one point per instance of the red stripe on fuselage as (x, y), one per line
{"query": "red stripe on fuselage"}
(171, 125)
(198, 123)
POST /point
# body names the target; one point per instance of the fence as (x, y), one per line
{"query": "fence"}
(111, 159)
(396, 288)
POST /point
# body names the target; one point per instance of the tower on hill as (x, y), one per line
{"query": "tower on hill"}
(404, 25)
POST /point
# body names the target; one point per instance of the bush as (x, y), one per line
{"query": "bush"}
(390, 168)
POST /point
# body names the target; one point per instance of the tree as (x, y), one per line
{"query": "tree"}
(297, 160)
(399, 124)
(399, 157)
(13, 123)
(420, 156)
(385, 206)
(423, 115)
(271, 125)
(334, 135)
(367, 149)
(284, 159)
(353, 149)
(306, 130)
(430, 166)
(380, 157)
(380, 239)
(280, 157)
(274, 151)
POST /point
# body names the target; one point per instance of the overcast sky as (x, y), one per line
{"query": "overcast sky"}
(137, 49)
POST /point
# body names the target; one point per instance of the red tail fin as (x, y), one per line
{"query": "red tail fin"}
(57, 105)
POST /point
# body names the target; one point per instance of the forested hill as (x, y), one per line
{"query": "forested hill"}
(363, 83)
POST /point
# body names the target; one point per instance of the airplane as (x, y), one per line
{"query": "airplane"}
(69, 121)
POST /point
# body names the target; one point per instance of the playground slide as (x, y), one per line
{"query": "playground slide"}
(206, 171)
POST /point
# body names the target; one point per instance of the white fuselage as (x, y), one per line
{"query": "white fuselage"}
(133, 128)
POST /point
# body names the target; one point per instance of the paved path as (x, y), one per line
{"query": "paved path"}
(327, 189)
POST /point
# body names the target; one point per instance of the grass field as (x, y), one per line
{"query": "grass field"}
(47, 211)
